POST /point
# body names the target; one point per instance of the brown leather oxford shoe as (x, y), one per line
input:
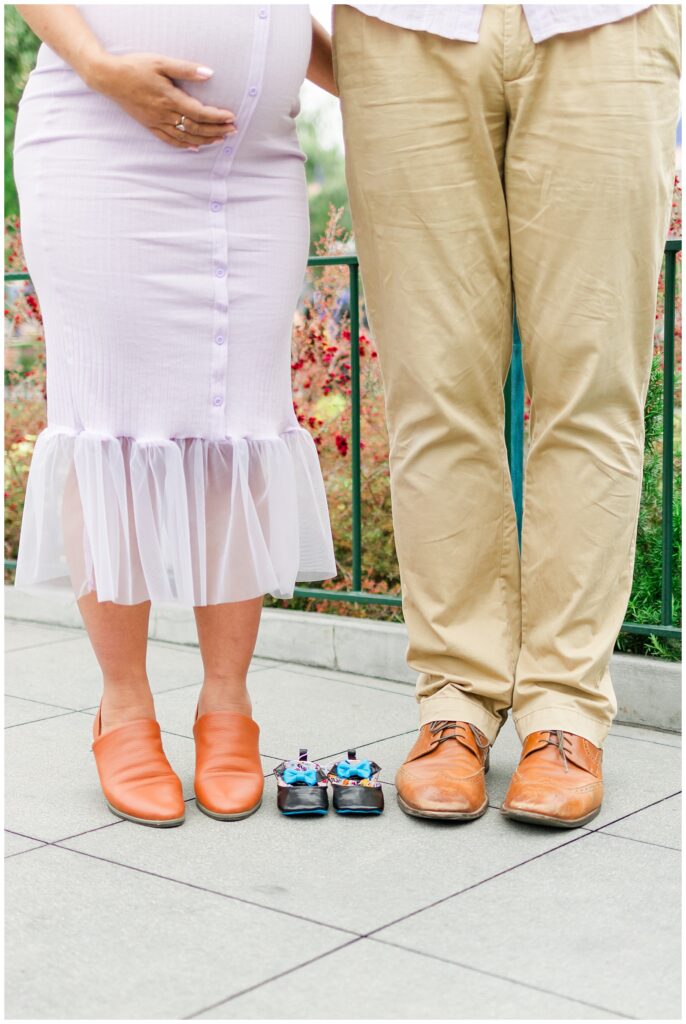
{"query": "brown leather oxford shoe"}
(444, 773)
(558, 781)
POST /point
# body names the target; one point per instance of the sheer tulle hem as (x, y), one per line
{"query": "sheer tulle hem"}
(188, 521)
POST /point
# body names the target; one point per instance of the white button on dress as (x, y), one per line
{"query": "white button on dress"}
(173, 467)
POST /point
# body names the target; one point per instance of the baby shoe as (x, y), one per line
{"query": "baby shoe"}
(355, 785)
(302, 786)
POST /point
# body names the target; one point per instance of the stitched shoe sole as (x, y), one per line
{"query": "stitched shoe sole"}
(356, 810)
(315, 812)
(228, 817)
(545, 819)
(415, 812)
(162, 823)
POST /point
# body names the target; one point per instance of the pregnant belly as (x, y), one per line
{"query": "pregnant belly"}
(220, 36)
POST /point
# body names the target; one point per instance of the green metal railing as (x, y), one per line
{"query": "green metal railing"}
(514, 435)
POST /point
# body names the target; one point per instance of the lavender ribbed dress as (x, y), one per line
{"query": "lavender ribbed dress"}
(173, 467)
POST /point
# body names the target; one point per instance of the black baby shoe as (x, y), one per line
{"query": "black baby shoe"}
(302, 787)
(356, 786)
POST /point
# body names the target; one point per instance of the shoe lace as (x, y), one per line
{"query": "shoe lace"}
(559, 739)
(449, 730)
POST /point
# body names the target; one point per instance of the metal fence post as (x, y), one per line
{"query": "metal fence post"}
(668, 438)
(514, 423)
(355, 431)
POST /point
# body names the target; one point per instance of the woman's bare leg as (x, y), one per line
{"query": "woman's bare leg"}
(119, 636)
(118, 632)
(227, 634)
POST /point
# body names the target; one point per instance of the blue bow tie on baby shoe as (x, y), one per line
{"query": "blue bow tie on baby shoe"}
(346, 770)
(308, 776)
(351, 796)
(301, 786)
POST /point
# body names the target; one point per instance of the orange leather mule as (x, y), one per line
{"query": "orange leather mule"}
(136, 777)
(228, 771)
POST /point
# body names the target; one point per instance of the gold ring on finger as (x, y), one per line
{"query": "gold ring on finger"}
(181, 123)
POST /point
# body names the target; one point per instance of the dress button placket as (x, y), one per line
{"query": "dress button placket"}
(218, 210)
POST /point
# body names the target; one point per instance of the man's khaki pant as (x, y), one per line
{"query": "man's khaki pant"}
(477, 170)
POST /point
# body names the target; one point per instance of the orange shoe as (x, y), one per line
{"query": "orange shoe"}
(444, 774)
(136, 777)
(559, 781)
(228, 771)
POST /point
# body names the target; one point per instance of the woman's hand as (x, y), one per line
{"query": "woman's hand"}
(138, 82)
(141, 83)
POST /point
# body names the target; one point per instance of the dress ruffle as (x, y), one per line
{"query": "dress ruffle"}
(190, 521)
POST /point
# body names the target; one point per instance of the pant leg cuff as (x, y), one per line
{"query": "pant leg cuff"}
(566, 719)
(458, 708)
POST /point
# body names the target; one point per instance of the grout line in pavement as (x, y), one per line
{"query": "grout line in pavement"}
(157, 693)
(83, 635)
(94, 707)
(502, 977)
(475, 885)
(86, 832)
(318, 669)
(174, 689)
(45, 718)
(46, 643)
(640, 739)
(44, 624)
(514, 867)
(297, 670)
(361, 746)
(74, 835)
(173, 646)
(20, 853)
(90, 713)
(23, 835)
(44, 703)
(368, 686)
(275, 977)
(202, 888)
(638, 810)
(631, 839)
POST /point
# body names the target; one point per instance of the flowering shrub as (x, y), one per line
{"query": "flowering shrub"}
(322, 386)
(322, 389)
(644, 604)
(24, 385)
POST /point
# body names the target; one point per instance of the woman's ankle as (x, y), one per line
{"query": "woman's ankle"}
(126, 702)
(224, 696)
